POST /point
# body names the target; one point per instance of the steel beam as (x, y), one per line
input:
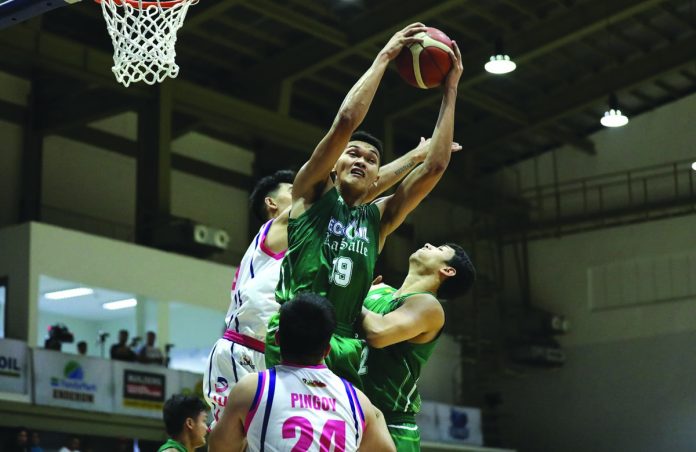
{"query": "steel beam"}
(78, 108)
(586, 93)
(153, 173)
(32, 162)
(56, 54)
(544, 37)
(311, 56)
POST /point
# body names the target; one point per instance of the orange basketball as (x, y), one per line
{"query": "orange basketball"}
(426, 65)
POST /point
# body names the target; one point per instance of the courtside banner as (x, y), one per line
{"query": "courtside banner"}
(459, 424)
(14, 370)
(72, 381)
(141, 390)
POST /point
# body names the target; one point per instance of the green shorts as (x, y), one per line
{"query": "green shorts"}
(406, 436)
(345, 358)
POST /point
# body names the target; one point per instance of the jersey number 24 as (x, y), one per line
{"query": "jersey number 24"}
(334, 431)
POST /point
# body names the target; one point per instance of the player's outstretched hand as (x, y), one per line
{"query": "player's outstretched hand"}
(423, 148)
(402, 38)
(455, 73)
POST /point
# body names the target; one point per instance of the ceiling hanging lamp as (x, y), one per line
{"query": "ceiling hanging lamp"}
(613, 117)
(500, 62)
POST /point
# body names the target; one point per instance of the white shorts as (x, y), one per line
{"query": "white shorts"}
(228, 362)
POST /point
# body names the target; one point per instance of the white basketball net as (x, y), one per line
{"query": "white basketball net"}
(144, 37)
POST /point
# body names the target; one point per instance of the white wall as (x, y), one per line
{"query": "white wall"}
(627, 383)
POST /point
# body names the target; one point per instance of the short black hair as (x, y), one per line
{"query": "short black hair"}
(266, 187)
(305, 327)
(368, 138)
(179, 408)
(461, 282)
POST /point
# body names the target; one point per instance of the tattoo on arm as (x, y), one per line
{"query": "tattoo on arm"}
(407, 166)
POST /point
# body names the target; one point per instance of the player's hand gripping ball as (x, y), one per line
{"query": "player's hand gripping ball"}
(426, 65)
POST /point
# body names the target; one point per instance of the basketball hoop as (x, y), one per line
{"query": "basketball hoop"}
(144, 36)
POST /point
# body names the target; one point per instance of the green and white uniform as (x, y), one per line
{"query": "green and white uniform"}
(172, 444)
(393, 373)
(332, 250)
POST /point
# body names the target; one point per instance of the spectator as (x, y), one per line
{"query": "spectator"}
(36, 443)
(149, 354)
(73, 445)
(82, 348)
(19, 441)
(121, 351)
(185, 418)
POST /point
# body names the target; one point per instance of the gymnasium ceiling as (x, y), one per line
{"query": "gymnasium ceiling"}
(270, 74)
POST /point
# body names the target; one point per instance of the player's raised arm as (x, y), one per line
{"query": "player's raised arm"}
(312, 177)
(394, 171)
(228, 434)
(423, 179)
(420, 314)
(376, 436)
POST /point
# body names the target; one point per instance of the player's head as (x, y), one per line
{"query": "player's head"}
(151, 338)
(186, 417)
(123, 336)
(358, 165)
(82, 348)
(452, 265)
(272, 195)
(306, 325)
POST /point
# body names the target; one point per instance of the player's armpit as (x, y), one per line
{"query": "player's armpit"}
(420, 314)
(228, 434)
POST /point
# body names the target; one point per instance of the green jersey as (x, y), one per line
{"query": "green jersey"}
(393, 372)
(332, 250)
(171, 444)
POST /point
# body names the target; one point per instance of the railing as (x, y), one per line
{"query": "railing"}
(611, 199)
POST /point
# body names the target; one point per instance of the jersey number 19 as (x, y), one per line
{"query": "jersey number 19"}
(341, 271)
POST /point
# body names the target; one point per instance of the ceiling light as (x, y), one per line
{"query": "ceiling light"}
(613, 117)
(500, 62)
(120, 304)
(68, 293)
(693, 166)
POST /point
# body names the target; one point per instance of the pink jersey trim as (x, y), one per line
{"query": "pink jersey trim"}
(245, 340)
(252, 410)
(234, 281)
(358, 405)
(289, 364)
(266, 249)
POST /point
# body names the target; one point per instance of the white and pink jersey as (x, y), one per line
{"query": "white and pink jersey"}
(304, 408)
(253, 290)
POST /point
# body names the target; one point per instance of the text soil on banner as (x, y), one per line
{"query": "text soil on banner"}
(14, 370)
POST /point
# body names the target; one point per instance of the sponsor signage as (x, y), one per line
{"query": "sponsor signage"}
(72, 381)
(141, 390)
(448, 423)
(14, 370)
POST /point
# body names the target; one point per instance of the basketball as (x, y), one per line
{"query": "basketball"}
(426, 65)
